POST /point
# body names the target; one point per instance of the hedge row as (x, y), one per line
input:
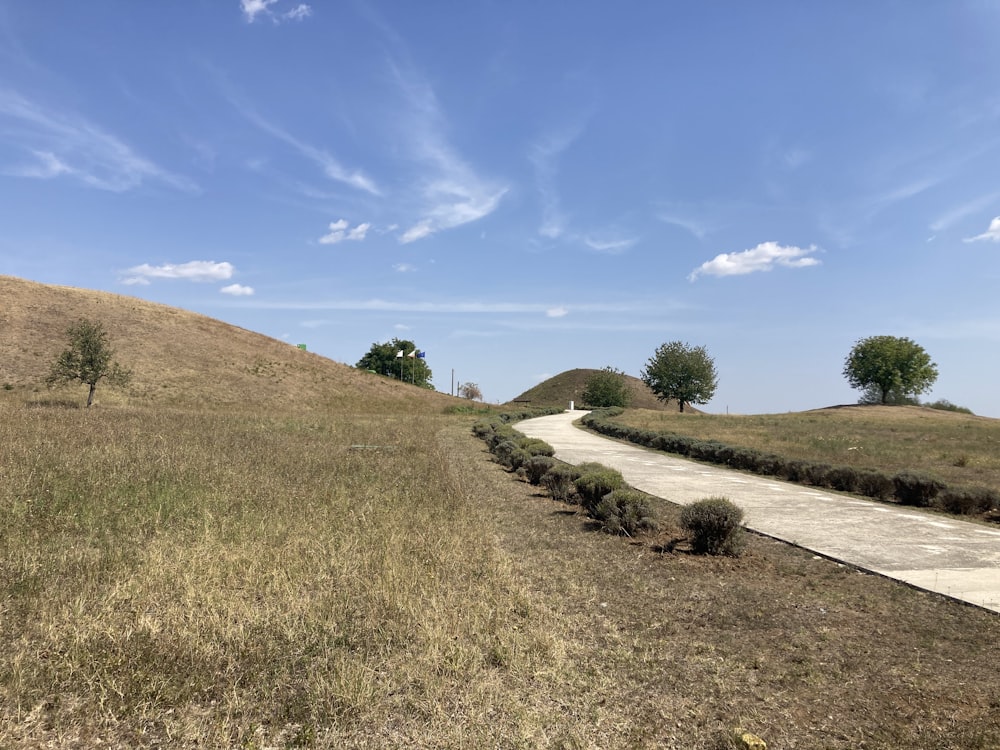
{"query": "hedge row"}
(601, 491)
(906, 487)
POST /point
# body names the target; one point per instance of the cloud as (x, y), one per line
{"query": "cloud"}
(452, 193)
(237, 290)
(993, 233)
(698, 228)
(556, 312)
(340, 231)
(195, 270)
(543, 155)
(404, 268)
(764, 257)
(331, 167)
(62, 144)
(612, 247)
(960, 212)
(253, 8)
(457, 308)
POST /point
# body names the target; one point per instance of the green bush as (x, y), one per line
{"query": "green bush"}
(715, 526)
(817, 474)
(625, 512)
(843, 478)
(510, 454)
(873, 483)
(536, 447)
(913, 488)
(969, 501)
(559, 481)
(595, 484)
(536, 467)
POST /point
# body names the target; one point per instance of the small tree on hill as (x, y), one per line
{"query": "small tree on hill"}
(88, 359)
(889, 369)
(399, 359)
(607, 387)
(470, 391)
(681, 372)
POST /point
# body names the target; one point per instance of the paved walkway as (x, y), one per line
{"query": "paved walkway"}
(938, 553)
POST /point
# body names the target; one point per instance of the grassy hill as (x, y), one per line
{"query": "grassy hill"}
(180, 357)
(569, 386)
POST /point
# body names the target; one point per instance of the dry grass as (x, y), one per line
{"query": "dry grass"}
(669, 650)
(182, 359)
(959, 448)
(219, 580)
(568, 386)
(277, 551)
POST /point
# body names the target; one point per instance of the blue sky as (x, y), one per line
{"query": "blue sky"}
(523, 188)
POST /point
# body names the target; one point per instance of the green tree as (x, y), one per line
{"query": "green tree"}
(89, 359)
(398, 359)
(889, 369)
(681, 372)
(607, 387)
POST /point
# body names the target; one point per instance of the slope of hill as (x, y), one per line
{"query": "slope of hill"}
(569, 386)
(182, 357)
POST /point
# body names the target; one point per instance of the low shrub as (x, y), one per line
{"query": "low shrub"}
(969, 501)
(843, 478)
(795, 471)
(625, 512)
(715, 525)
(559, 481)
(913, 488)
(536, 467)
(510, 454)
(536, 447)
(818, 474)
(593, 485)
(873, 483)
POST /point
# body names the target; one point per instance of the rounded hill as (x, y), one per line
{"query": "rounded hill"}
(181, 357)
(569, 386)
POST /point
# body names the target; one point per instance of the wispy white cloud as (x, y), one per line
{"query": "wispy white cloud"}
(328, 163)
(544, 155)
(404, 268)
(195, 270)
(458, 308)
(452, 194)
(993, 233)
(695, 226)
(960, 212)
(609, 246)
(63, 144)
(341, 230)
(556, 312)
(262, 8)
(238, 290)
(764, 257)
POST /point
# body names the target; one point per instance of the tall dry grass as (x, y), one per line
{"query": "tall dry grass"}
(226, 580)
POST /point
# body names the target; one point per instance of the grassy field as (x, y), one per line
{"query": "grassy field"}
(958, 448)
(246, 579)
(255, 547)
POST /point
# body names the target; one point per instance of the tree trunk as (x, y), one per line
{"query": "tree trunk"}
(90, 396)
(680, 405)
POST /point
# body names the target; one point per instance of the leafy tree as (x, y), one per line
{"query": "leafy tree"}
(681, 372)
(470, 391)
(88, 359)
(607, 387)
(889, 369)
(398, 359)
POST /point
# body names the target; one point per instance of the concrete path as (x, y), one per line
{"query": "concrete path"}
(956, 558)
